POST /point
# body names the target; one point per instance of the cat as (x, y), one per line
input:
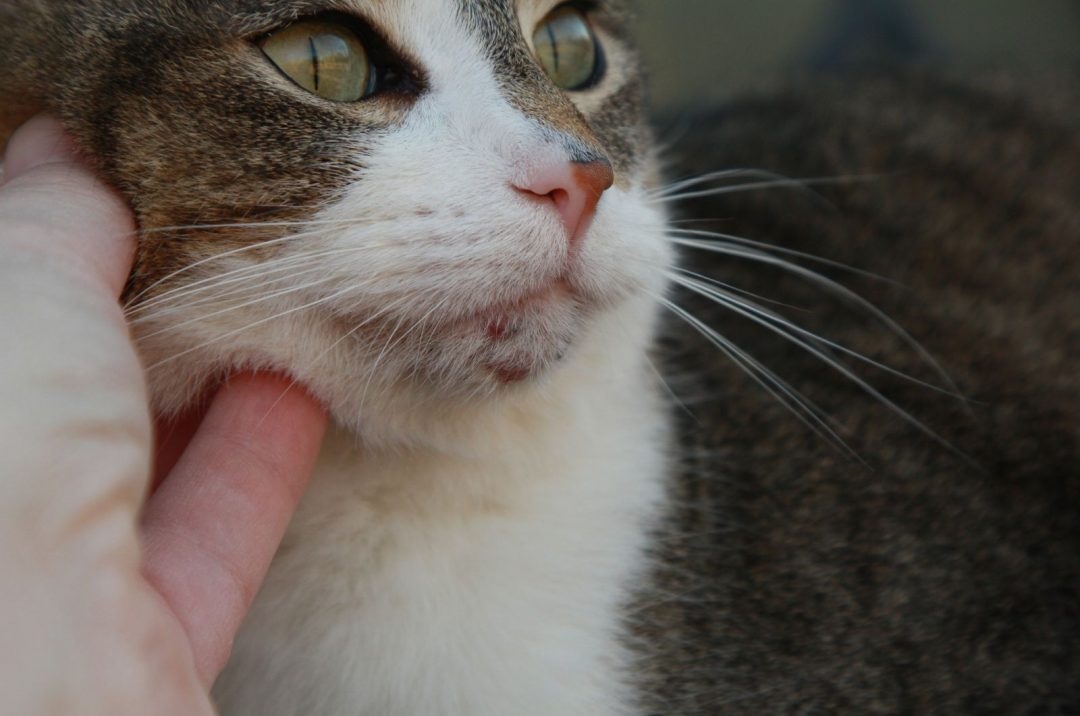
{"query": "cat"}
(513, 516)
(438, 217)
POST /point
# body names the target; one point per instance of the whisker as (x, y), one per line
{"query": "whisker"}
(234, 307)
(256, 271)
(769, 318)
(803, 184)
(367, 229)
(246, 225)
(254, 279)
(805, 410)
(690, 182)
(847, 294)
(760, 317)
(217, 257)
(255, 324)
(735, 290)
(716, 247)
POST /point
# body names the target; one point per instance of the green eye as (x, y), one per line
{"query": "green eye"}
(324, 58)
(567, 48)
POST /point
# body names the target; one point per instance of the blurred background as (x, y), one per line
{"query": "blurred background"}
(707, 50)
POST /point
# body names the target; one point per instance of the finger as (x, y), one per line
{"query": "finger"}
(171, 438)
(72, 393)
(40, 141)
(173, 435)
(213, 526)
(56, 214)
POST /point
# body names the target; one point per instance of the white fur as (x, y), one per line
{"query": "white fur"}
(466, 546)
(483, 579)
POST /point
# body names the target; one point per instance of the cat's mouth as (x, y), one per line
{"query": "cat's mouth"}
(503, 343)
(527, 331)
(503, 321)
(516, 340)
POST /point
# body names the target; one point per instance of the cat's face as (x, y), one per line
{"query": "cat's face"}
(408, 237)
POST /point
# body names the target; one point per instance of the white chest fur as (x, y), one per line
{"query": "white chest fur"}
(481, 580)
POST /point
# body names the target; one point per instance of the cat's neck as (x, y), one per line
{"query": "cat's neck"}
(524, 524)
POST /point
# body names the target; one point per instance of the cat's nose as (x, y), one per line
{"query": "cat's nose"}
(574, 188)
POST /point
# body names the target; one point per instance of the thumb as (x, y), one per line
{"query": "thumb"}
(56, 214)
(72, 395)
(40, 141)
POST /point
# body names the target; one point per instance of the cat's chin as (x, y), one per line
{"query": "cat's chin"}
(398, 377)
(461, 359)
(524, 339)
(431, 389)
(470, 354)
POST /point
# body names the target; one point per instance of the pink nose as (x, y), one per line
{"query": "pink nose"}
(575, 188)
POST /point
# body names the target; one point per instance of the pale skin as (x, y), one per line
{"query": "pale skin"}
(115, 598)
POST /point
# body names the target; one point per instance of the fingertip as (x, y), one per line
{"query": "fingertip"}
(263, 397)
(58, 212)
(40, 141)
(278, 419)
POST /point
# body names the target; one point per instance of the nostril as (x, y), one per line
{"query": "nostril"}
(575, 189)
(561, 197)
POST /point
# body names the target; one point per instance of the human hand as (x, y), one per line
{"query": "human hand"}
(113, 601)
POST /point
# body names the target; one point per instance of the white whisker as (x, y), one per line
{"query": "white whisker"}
(247, 225)
(217, 257)
(780, 324)
(367, 229)
(238, 306)
(847, 294)
(220, 291)
(765, 319)
(255, 324)
(251, 273)
(735, 290)
(804, 409)
(717, 247)
(688, 183)
(802, 184)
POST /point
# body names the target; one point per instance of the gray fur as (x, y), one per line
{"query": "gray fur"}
(790, 578)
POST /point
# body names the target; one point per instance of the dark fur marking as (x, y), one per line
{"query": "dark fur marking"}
(526, 86)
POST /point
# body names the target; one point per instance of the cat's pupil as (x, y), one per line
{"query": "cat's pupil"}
(567, 49)
(324, 58)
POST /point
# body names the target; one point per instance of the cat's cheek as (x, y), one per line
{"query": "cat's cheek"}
(626, 253)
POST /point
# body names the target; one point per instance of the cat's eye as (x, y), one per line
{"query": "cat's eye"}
(567, 49)
(325, 58)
